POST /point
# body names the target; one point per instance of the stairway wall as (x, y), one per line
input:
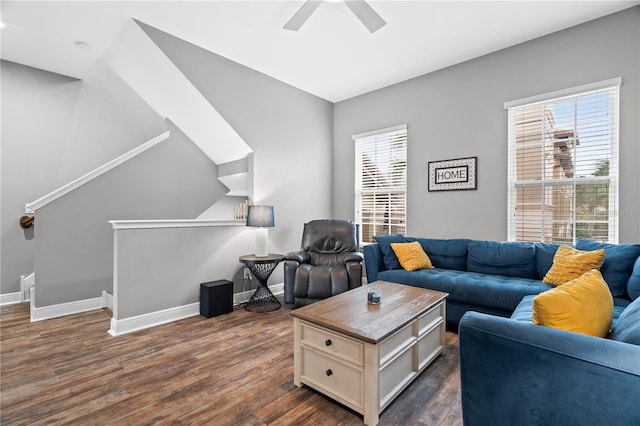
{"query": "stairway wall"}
(74, 254)
(55, 129)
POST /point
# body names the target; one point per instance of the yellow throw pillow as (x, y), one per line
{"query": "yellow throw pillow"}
(411, 256)
(583, 305)
(569, 263)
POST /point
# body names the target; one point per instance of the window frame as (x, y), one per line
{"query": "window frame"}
(392, 224)
(513, 184)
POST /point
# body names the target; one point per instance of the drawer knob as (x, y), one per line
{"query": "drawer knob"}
(328, 342)
(329, 372)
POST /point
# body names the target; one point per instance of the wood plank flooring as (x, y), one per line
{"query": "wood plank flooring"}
(234, 369)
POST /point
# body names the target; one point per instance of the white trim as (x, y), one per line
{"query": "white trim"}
(63, 309)
(140, 322)
(107, 300)
(10, 298)
(380, 131)
(152, 319)
(599, 85)
(26, 282)
(30, 208)
(173, 223)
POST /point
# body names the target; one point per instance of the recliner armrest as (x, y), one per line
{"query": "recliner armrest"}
(299, 256)
(353, 257)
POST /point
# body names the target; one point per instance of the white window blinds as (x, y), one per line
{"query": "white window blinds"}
(563, 165)
(381, 182)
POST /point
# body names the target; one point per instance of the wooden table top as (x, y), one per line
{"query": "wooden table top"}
(350, 313)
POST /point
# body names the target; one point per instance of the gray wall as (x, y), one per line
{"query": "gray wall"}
(290, 132)
(74, 253)
(54, 130)
(162, 268)
(458, 112)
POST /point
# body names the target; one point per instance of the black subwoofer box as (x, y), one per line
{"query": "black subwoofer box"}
(216, 298)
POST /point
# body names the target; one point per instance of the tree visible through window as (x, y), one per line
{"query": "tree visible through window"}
(563, 165)
(381, 182)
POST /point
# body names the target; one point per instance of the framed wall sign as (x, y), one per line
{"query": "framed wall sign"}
(453, 175)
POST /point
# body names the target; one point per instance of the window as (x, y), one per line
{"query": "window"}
(381, 182)
(563, 165)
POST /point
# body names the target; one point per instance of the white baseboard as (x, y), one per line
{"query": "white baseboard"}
(140, 322)
(152, 319)
(26, 282)
(10, 298)
(107, 300)
(63, 309)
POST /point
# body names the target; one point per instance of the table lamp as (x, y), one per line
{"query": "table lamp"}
(261, 217)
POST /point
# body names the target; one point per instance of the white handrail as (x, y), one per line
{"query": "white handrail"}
(30, 208)
(173, 223)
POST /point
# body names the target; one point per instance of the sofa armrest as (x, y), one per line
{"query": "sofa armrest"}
(515, 372)
(373, 262)
(353, 257)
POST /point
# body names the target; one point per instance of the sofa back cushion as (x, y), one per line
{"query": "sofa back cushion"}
(627, 327)
(633, 285)
(511, 259)
(619, 260)
(544, 257)
(388, 255)
(446, 254)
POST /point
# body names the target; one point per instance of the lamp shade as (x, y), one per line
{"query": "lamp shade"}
(260, 216)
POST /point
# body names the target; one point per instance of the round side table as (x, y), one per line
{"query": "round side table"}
(261, 267)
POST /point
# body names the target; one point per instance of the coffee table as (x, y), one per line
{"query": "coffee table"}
(364, 355)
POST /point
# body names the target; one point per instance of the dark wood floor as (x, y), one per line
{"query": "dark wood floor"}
(235, 369)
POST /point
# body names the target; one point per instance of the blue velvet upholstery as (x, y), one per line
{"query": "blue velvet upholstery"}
(495, 291)
(633, 285)
(446, 254)
(627, 327)
(618, 262)
(544, 257)
(512, 259)
(388, 255)
(518, 373)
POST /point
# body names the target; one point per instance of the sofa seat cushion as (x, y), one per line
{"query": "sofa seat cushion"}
(524, 310)
(511, 259)
(472, 288)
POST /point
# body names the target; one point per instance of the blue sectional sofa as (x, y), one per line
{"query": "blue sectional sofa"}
(513, 371)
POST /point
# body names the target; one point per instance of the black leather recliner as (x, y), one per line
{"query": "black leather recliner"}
(328, 264)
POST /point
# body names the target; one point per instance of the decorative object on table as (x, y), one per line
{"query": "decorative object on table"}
(262, 218)
(216, 298)
(374, 297)
(453, 175)
(262, 267)
(242, 210)
(329, 262)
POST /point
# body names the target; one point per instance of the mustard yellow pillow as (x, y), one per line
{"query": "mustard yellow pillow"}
(583, 305)
(411, 256)
(570, 263)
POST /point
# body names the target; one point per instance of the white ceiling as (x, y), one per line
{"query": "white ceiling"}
(332, 56)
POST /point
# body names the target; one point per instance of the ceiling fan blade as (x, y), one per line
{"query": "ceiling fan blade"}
(301, 16)
(366, 15)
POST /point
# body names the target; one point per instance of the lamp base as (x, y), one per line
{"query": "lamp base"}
(262, 237)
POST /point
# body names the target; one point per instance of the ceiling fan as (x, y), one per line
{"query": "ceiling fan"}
(360, 8)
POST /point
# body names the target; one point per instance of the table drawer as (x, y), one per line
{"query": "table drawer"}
(430, 319)
(339, 380)
(333, 343)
